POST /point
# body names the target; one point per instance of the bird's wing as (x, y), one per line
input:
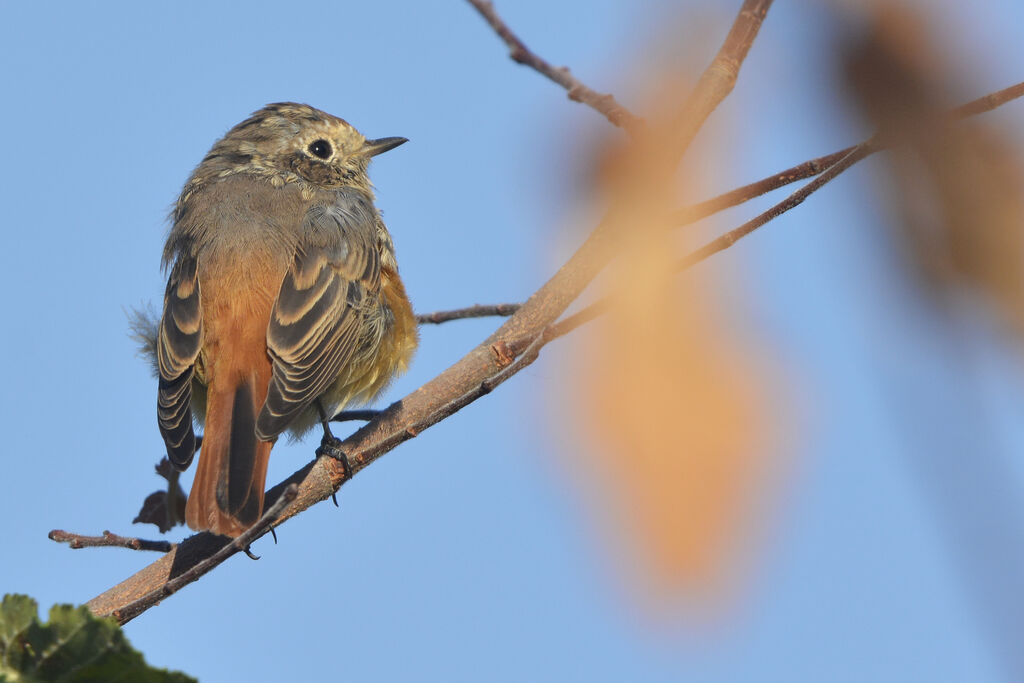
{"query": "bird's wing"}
(316, 320)
(177, 347)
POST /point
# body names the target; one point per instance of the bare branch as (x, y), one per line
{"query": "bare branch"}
(988, 102)
(725, 241)
(475, 375)
(605, 104)
(355, 415)
(718, 79)
(838, 162)
(813, 167)
(475, 311)
(77, 541)
(709, 207)
(240, 544)
(730, 238)
(481, 370)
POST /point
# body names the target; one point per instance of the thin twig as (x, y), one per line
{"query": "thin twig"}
(592, 311)
(605, 104)
(730, 238)
(988, 102)
(239, 544)
(813, 167)
(475, 311)
(709, 207)
(355, 415)
(108, 539)
(718, 80)
(838, 162)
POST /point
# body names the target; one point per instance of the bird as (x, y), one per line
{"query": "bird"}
(283, 303)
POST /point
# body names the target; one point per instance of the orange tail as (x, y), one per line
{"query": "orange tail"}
(227, 495)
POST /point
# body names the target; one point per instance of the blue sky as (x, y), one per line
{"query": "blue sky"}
(472, 553)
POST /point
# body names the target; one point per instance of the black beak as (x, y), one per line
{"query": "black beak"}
(374, 147)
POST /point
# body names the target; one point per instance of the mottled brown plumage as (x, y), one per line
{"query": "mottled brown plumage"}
(283, 293)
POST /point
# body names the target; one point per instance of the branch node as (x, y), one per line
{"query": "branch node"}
(520, 55)
(503, 355)
(107, 539)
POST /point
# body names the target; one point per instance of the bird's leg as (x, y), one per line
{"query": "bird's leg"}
(325, 421)
(330, 445)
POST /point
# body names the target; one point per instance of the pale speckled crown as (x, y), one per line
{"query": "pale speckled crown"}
(287, 143)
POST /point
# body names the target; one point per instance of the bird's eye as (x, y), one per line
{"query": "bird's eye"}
(320, 148)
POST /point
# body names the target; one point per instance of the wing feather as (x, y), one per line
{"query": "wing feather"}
(321, 307)
(177, 346)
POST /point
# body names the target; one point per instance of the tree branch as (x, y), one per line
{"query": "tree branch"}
(709, 207)
(505, 352)
(475, 311)
(730, 238)
(76, 541)
(719, 78)
(226, 550)
(355, 416)
(605, 104)
(695, 212)
(837, 163)
(475, 375)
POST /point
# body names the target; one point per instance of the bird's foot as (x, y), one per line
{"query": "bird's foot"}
(331, 447)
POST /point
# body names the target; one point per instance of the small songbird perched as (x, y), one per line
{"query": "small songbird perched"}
(283, 303)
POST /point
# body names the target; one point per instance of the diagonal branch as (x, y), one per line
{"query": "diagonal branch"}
(720, 77)
(506, 351)
(730, 238)
(605, 104)
(838, 162)
(475, 375)
(709, 207)
(595, 309)
(812, 167)
(224, 551)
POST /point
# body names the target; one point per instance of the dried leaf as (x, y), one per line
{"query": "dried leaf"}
(959, 187)
(673, 412)
(155, 509)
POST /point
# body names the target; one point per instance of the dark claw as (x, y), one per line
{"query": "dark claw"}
(330, 447)
(274, 534)
(249, 553)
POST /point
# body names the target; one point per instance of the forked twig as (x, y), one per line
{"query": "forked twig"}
(813, 167)
(605, 104)
(76, 541)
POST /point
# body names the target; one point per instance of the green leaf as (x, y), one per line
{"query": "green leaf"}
(75, 646)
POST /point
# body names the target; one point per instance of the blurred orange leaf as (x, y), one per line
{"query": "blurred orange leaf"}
(959, 198)
(673, 412)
